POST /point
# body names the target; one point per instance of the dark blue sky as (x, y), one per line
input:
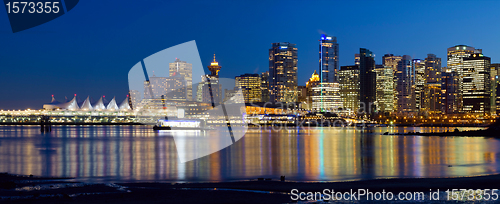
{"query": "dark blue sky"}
(90, 50)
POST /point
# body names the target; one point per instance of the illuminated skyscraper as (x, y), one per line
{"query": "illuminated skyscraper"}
(186, 70)
(264, 86)
(250, 87)
(476, 84)
(405, 85)
(455, 63)
(349, 88)
(392, 61)
(495, 88)
(367, 81)
(326, 97)
(420, 82)
(328, 58)
(449, 90)
(432, 90)
(283, 72)
(385, 88)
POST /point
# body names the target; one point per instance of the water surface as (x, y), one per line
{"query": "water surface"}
(137, 153)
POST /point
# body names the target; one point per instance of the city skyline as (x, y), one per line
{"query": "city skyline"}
(106, 60)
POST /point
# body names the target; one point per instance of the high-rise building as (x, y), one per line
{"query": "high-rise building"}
(209, 89)
(326, 97)
(449, 90)
(349, 88)
(405, 85)
(186, 70)
(283, 72)
(495, 70)
(155, 88)
(420, 83)
(392, 61)
(385, 89)
(264, 86)
(455, 63)
(250, 87)
(176, 87)
(367, 81)
(476, 84)
(432, 91)
(328, 58)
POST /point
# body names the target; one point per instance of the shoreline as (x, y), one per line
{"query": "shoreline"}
(59, 190)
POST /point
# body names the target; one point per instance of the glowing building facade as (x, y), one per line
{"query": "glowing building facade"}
(476, 84)
(250, 87)
(326, 97)
(283, 72)
(328, 58)
(405, 85)
(385, 88)
(186, 70)
(349, 88)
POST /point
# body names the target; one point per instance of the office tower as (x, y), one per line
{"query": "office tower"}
(432, 91)
(391, 61)
(476, 84)
(176, 87)
(283, 72)
(405, 85)
(186, 70)
(420, 82)
(385, 89)
(155, 88)
(233, 96)
(455, 63)
(449, 88)
(250, 87)
(326, 97)
(328, 58)
(367, 81)
(495, 69)
(209, 89)
(264, 86)
(356, 59)
(349, 88)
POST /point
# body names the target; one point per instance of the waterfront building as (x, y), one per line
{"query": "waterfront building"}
(476, 84)
(494, 74)
(250, 86)
(420, 84)
(176, 87)
(449, 90)
(155, 88)
(209, 89)
(454, 62)
(349, 88)
(283, 72)
(186, 70)
(405, 85)
(135, 99)
(328, 58)
(302, 91)
(326, 97)
(264, 86)
(385, 89)
(233, 96)
(432, 96)
(367, 81)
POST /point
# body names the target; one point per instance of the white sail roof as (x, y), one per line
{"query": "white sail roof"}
(112, 105)
(124, 106)
(54, 101)
(71, 105)
(86, 106)
(99, 105)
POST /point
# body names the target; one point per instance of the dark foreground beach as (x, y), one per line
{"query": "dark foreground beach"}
(25, 189)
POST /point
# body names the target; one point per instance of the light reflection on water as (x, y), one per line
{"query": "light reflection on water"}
(124, 153)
